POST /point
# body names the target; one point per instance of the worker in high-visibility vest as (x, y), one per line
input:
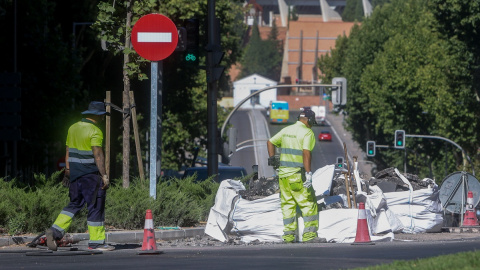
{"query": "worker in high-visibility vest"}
(86, 177)
(296, 143)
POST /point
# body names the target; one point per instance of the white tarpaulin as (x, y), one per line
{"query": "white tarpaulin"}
(409, 211)
(419, 211)
(259, 219)
(218, 216)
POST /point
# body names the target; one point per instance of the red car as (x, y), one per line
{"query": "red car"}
(325, 136)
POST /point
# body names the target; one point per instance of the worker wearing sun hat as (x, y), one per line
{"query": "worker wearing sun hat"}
(86, 177)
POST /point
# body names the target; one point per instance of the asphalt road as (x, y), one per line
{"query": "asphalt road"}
(274, 256)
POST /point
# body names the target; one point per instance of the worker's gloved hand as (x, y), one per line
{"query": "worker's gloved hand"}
(66, 178)
(274, 161)
(106, 182)
(308, 180)
(271, 160)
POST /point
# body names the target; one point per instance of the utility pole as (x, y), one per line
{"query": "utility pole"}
(214, 56)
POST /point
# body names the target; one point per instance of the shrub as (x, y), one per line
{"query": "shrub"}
(179, 202)
(31, 209)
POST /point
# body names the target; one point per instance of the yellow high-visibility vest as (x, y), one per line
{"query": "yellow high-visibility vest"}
(291, 141)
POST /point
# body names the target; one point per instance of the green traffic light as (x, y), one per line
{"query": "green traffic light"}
(370, 152)
(191, 57)
(399, 143)
(340, 165)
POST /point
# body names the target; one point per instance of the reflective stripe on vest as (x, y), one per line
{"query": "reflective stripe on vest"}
(295, 156)
(80, 156)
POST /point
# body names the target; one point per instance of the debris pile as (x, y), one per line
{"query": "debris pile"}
(338, 185)
(254, 213)
(389, 181)
(260, 188)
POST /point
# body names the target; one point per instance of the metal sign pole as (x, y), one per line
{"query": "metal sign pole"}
(155, 124)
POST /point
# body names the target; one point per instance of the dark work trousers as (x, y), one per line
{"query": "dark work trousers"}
(84, 190)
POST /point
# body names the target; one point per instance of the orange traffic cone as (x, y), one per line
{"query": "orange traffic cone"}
(470, 218)
(149, 245)
(363, 236)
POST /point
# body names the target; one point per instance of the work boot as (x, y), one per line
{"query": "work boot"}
(51, 243)
(288, 239)
(317, 240)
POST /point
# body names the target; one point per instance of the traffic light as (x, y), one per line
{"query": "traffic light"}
(215, 55)
(192, 52)
(340, 96)
(370, 148)
(340, 162)
(182, 39)
(400, 139)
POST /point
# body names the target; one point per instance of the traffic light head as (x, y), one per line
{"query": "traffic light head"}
(192, 51)
(340, 162)
(400, 139)
(370, 148)
(340, 91)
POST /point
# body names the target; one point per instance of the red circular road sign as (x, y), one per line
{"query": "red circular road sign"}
(154, 37)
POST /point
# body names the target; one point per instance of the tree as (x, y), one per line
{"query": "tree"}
(353, 11)
(274, 46)
(263, 57)
(402, 74)
(459, 20)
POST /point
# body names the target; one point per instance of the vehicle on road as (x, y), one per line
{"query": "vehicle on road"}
(320, 114)
(279, 112)
(224, 172)
(325, 136)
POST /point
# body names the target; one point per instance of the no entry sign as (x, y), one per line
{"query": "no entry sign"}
(154, 37)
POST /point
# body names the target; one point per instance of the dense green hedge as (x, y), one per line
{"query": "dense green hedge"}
(179, 202)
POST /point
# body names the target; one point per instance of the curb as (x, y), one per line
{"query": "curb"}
(130, 237)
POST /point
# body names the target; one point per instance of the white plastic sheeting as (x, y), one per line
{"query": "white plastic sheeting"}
(387, 213)
(218, 216)
(419, 211)
(259, 219)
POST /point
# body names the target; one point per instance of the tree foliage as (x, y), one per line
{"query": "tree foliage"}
(184, 105)
(403, 73)
(353, 10)
(263, 57)
(38, 42)
(62, 71)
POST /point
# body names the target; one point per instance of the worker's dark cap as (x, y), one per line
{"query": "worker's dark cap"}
(96, 108)
(308, 114)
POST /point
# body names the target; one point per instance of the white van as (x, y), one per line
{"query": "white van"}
(320, 113)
